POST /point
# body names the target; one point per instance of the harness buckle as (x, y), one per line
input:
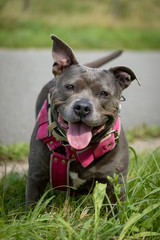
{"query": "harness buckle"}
(116, 137)
(64, 143)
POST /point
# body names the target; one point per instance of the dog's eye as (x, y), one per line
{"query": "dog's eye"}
(70, 87)
(104, 94)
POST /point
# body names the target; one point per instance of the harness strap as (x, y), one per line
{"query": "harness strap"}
(59, 162)
(97, 150)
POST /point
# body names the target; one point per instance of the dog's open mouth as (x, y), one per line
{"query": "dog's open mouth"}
(78, 134)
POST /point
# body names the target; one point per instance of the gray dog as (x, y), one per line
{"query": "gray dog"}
(78, 138)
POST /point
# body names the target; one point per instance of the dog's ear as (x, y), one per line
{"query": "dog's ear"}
(124, 76)
(63, 56)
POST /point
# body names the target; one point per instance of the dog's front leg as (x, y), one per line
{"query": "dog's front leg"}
(38, 174)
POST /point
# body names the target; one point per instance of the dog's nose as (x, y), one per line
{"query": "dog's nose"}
(82, 108)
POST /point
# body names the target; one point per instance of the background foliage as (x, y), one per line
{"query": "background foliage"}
(85, 24)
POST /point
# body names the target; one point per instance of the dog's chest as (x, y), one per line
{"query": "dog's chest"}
(76, 182)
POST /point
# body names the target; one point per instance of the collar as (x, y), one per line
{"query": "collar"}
(54, 138)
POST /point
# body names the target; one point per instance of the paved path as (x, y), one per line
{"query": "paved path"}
(24, 72)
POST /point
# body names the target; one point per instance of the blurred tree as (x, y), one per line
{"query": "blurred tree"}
(26, 4)
(2, 3)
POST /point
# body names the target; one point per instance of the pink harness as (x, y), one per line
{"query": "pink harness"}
(59, 163)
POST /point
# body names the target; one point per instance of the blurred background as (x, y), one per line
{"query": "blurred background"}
(85, 24)
(93, 28)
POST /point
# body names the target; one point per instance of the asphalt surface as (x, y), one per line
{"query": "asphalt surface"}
(24, 72)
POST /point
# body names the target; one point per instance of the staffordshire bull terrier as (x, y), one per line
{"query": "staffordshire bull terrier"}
(78, 138)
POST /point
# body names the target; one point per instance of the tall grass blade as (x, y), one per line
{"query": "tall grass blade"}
(98, 198)
(136, 218)
(40, 206)
(134, 152)
(144, 234)
(68, 227)
(152, 192)
(155, 158)
(85, 229)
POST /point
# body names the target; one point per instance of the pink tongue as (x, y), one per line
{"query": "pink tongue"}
(79, 135)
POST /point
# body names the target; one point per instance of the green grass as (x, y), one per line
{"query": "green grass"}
(17, 151)
(143, 132)
(83, 24)
(86, 217)
(38, 35)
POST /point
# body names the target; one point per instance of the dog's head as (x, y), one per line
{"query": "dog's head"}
(85, 101)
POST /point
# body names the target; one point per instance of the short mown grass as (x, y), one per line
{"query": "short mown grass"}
(86, 24)
(86, 217)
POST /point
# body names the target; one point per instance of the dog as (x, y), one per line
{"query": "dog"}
(78, 138)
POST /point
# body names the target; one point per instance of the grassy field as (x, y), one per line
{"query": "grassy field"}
(86, 24)
(85, 217)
